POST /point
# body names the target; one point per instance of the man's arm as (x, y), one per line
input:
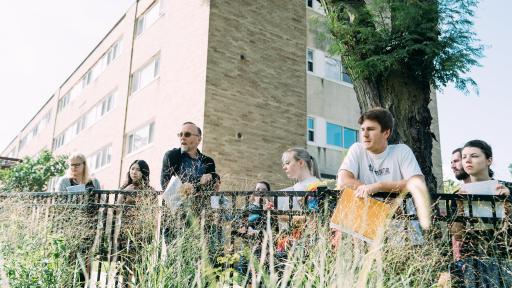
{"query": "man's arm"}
(209, 174)
(165, 175)
(385, 186)
(347, 179)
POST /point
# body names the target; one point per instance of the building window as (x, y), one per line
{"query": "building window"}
(340, 136)
(112, 53)
(46, 119)
(100, 158)
(87, 78)
(311, 129)
(310, 59)
(349, 137)
(345, 76)
(100, 109)
(140, 138)
(148, 18)
(334, 134)
(63, 102)
(145, 74)
(315, 5)
(59, 140)
(332, 69)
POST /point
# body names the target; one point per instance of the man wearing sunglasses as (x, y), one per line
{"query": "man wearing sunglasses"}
(188, 163)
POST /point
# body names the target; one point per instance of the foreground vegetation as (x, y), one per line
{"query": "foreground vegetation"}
(47, 251)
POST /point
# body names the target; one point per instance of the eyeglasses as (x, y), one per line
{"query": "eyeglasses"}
(76, 164)
(186, 134)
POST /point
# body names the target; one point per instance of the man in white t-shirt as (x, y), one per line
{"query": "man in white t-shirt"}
(374, 166)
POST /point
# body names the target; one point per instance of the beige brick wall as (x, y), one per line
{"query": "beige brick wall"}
(262, 96)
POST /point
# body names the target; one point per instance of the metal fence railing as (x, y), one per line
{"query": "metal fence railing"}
(107, 208)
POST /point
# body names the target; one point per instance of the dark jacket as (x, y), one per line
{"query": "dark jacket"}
(172, 164)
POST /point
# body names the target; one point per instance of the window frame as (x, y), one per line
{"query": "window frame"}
(135, 78)
(130, 149)
(311, 130)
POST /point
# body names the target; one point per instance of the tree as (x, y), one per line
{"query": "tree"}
(510, 168)
(32, 174)
(397, 53)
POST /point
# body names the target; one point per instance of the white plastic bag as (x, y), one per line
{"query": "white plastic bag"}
(172, 195)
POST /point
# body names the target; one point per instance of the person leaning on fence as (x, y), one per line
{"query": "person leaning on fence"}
(78, 179)
(254, 223)
(372, 165)
(131, 228)
(188, 163)
(77, 174)
(256, 220)
(300, 166)
(475, 262)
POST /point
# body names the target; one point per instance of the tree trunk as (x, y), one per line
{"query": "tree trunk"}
(411, 113)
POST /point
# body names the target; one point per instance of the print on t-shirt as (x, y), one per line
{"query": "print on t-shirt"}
(379, 172)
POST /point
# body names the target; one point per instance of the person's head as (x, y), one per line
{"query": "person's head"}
(262, 186)
(78, 168)
(138, 173)
(456, 165)
(190, 137)
(477, 159)
(298, 164)
(376, 126)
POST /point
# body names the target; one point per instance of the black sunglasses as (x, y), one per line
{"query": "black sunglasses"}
(186, 134)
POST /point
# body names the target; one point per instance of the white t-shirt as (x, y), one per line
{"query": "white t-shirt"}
(282, 202)
(396, 163)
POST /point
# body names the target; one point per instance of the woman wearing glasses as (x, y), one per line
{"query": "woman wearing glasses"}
(77, 175)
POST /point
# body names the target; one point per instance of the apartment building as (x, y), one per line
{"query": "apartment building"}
(253, 74)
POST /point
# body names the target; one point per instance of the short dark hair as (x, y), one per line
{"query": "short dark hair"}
(198, 129)
(484, 147)
(379, 115)
(458, 150)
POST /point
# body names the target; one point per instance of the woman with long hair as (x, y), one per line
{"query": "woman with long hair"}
(137, 177)
(77, 174)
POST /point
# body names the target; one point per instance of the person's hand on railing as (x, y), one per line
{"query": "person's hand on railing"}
(268, 205)
(502, 190)
(363, 191)
(205, 179)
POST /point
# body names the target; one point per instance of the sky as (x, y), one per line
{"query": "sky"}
(44, 41)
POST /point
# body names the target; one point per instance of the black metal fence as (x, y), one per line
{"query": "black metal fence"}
(107, 208)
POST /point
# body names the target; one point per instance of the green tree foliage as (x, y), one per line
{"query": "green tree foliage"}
(510, 168)
(433, 39)
(32, 174)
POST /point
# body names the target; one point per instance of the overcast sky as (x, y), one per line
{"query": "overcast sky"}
(44, 41)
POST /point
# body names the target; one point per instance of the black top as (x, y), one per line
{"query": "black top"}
(172, 166)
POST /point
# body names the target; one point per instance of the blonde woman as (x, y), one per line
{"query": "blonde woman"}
(77, 174)
(300, 166)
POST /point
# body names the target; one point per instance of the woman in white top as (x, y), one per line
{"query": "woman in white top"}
(299, 165)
